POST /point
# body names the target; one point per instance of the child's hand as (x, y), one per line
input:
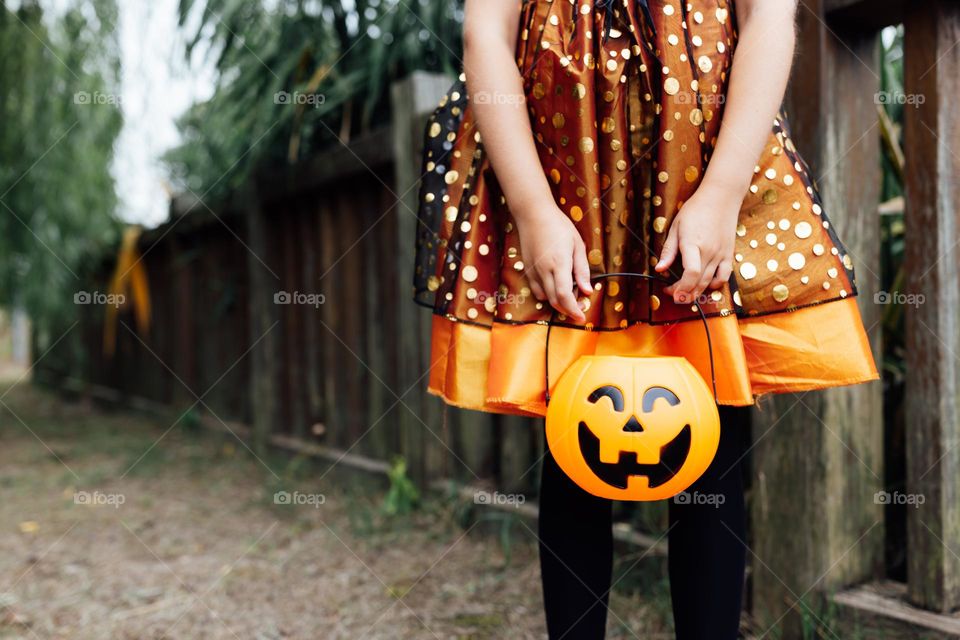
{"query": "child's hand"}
(704, 234)
(554, 258)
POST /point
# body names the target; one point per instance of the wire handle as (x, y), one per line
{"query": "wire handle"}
(643, 276)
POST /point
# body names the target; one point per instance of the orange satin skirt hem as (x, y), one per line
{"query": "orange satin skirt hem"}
(500, 369)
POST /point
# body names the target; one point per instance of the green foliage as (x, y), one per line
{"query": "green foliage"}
(296, 75)
(402, 497)
(60, 119)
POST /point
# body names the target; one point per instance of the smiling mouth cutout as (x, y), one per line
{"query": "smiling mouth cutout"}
(672, 457)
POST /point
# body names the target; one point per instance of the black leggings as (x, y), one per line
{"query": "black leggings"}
(706, 541)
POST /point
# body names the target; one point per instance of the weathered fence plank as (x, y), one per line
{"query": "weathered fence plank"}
(932, 135)
(818, 456)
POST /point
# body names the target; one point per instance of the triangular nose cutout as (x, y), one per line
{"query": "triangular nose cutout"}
(633, 425)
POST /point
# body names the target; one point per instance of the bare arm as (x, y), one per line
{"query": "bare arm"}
(704, 230)
(552, 249)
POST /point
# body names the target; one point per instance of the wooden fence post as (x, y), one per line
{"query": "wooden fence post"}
(264, 315)
(818, 457)
(932, 149)
(413, 100)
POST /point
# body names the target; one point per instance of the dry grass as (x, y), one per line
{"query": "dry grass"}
(199, 550)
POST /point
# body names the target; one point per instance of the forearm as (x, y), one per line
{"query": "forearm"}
(758, 80)
(497, 101)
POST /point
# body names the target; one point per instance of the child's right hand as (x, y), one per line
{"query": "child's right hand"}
(554, 259)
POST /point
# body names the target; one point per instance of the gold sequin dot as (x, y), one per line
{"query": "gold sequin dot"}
(469, 273)
(716, 296)
(659, 224)
(613, 289)
(781, 292)
(796, 261)
(805, 280)
(818, 250)
(772, 265)
(518, 265)
(668, 9)
(748, 271)
(451, 177)
(451, 214)
(433, 283)
(691, 174)
(770, 174)
(576, 213)
(490, 304)
(595, 256)
(696, 117)
(663, 176)
(668, 135)
(484, 249)
(586, 145)
(559, 120)
(671, 86)
(435, 129)
(770, 196)
(654, 302)
(847, 262)
(832, 272)
(741, 230)
(705, 64)
(803, 230)
(771, 239)
(784, 224)
(737, 299)
(472, 313)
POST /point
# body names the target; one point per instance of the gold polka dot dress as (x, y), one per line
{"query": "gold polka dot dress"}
(625, 99)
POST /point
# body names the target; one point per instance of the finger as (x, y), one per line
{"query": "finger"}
(724, 271)
(581, 268)
(683, 289)
(566, 301)
(705, 277)
(536, 289)
(669, 252)
(549, 289)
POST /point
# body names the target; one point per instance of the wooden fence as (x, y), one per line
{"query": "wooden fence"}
(347, 377)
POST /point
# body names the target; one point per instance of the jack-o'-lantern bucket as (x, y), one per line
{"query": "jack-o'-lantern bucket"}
(633, 428)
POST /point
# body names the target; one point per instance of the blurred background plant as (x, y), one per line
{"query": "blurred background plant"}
(297, 75)
(60, 115)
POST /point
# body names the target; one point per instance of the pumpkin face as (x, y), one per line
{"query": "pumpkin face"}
(633, 428)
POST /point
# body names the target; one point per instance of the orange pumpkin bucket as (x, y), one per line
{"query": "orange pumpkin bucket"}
(632, 428)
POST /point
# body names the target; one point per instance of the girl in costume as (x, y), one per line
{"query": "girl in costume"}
(609, 136)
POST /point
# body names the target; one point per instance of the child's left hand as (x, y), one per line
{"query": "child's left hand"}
(703, 233)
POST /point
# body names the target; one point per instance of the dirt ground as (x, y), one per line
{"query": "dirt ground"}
(115, 525)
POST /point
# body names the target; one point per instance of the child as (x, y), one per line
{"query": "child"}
(610, 136)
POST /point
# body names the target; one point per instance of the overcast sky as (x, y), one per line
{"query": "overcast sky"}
(158, 85)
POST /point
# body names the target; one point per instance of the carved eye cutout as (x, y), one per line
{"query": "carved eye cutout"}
(651, 395)
(608, 391)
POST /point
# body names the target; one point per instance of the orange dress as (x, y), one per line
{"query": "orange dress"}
(626, 100)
